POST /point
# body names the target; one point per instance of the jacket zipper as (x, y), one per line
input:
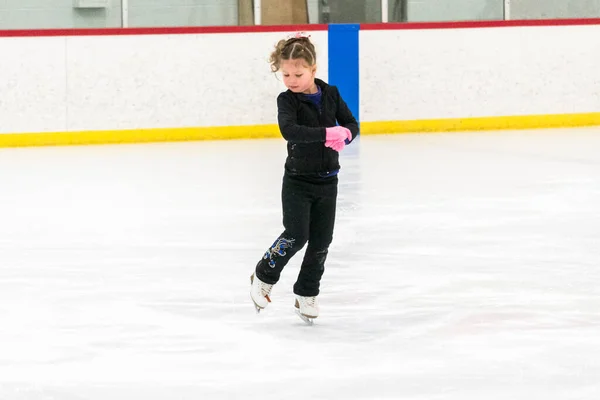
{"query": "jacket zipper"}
(321, 116)
(321, 113)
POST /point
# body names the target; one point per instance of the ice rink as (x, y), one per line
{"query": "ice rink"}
(465, 266)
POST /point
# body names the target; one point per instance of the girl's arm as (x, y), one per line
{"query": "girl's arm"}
(288, 123)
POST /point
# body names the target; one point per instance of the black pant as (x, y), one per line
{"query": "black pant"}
(308, 216)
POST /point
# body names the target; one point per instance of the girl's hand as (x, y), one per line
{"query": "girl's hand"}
(336, 137)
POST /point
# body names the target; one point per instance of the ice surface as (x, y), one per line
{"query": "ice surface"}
(464, 266)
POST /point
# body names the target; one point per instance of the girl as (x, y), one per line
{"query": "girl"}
(307, 116)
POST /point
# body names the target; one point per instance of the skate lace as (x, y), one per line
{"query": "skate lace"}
(309, 301)
(265, 290)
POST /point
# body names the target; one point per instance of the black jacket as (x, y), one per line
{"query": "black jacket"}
(303, 126)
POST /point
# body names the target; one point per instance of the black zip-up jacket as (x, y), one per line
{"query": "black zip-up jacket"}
(302, 125)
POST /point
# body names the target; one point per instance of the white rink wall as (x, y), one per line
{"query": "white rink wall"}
(88, 83)
(33, 90)
(81, 83)
(479, 72)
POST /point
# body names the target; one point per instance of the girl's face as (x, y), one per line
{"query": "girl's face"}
(298, 76)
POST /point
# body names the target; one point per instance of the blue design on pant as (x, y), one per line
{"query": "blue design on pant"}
(278, 249)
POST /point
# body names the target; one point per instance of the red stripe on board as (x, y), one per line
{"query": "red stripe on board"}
(160, 30)
(479, 24)
(288, 28)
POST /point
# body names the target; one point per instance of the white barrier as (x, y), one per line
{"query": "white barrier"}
(146, 81)
(461, 73)
(220, 80)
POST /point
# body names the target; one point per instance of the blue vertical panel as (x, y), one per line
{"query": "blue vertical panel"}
(343, 62)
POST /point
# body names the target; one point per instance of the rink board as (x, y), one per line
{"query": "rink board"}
(97, 86)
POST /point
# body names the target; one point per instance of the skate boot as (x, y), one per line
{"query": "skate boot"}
(259, 292)
(307, 308)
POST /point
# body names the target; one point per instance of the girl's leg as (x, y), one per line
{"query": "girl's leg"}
(322, 222)
(296, 204)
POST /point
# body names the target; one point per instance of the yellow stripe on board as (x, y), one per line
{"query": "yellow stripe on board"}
(481, 123)
(272, 130)
(139, 136)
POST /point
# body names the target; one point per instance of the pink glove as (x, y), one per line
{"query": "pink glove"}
(336, 133)
(338, 146)
(335, 137)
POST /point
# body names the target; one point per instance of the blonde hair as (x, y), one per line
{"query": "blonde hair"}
(295, 48)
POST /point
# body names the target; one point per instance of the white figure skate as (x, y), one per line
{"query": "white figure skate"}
(307, 308)
(259, 292)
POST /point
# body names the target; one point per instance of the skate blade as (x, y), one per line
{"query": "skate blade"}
(256, 307)
(307, 320)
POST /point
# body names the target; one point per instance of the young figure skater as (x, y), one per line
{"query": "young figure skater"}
(307, 116)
